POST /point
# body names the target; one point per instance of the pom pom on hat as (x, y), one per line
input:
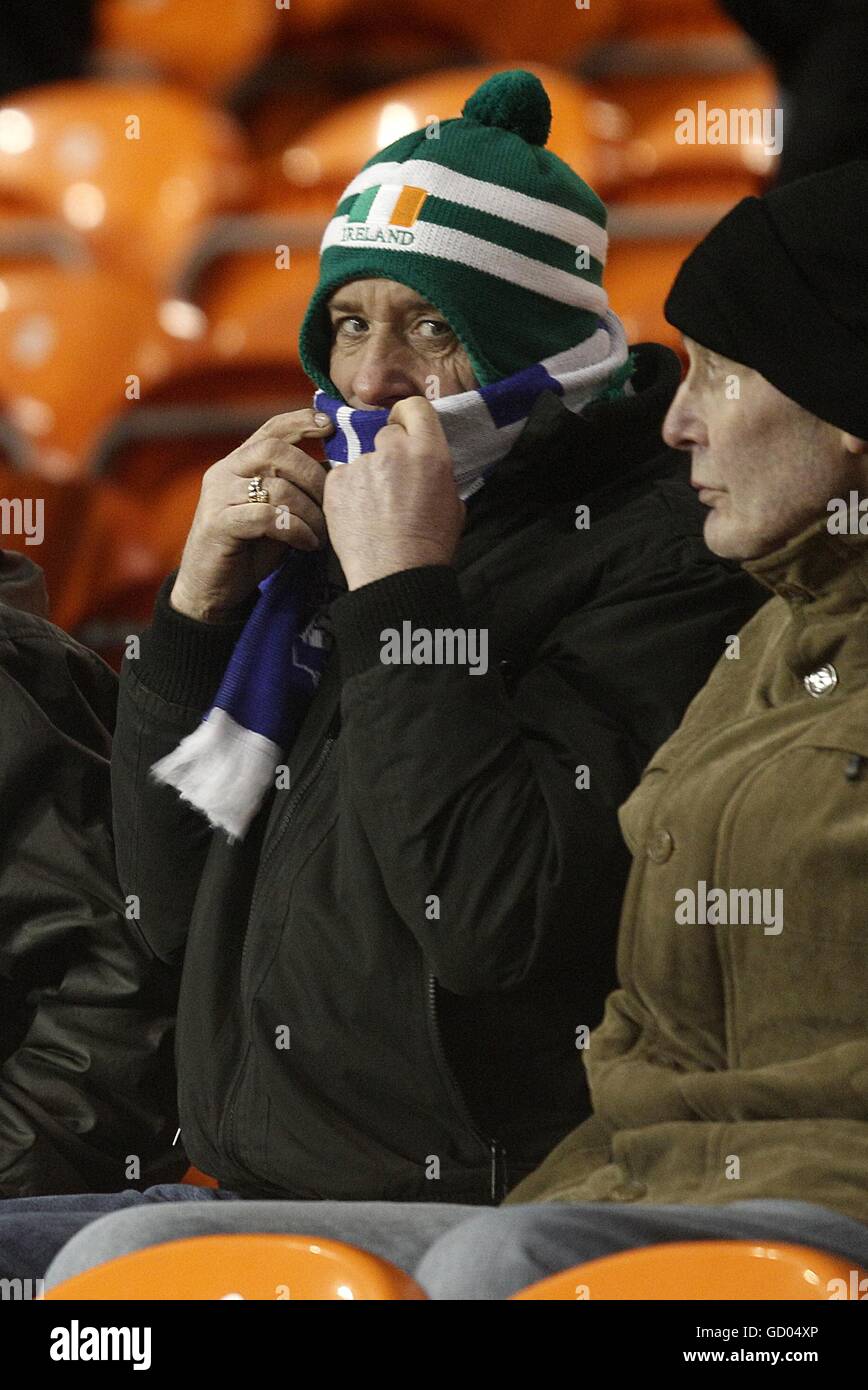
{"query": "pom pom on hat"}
(515, 101)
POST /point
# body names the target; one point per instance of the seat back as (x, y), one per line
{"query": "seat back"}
(169, 38)
(263, 1267)
(696, 128)
(135, 169)
(703, 1270)
(92, 542)
(331, 152)
(73, 345)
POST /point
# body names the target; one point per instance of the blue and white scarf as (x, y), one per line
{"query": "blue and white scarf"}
(226, 766)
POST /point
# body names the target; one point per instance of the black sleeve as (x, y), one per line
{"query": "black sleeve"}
(162, 842)
(87, 1084)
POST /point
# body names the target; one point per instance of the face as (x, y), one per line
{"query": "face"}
(764, 467)
(388, 343)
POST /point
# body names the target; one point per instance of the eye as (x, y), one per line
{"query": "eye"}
(434, 328)
(351, 326)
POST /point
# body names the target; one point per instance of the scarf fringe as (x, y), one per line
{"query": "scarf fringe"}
(222, 770)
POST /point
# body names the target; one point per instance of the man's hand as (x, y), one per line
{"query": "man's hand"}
(398, 507)
(233, 542)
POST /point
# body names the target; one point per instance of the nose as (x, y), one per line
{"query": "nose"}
(683, 426)
(383, 373)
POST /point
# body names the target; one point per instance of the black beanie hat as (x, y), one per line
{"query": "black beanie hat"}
(781, 285)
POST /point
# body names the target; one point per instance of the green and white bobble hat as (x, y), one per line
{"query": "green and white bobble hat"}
(496, 232)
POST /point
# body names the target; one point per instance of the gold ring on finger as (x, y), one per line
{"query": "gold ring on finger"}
(256, 492)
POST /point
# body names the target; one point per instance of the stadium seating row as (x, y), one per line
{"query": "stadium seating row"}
(166, 38)
(293, 1268)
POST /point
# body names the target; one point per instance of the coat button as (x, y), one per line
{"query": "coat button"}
(821, 681)
(628, 1192)
(660, 846)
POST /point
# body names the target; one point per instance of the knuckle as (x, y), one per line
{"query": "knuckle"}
(290, 420)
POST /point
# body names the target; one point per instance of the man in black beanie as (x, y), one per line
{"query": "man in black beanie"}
(729, 1073)
(780, 288)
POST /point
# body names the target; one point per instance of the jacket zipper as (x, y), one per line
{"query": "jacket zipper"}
(294, 802)
(495, 1148)
(298, 795)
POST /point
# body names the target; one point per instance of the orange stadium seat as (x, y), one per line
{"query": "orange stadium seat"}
(703, 1270)
(92, 545)
(313, 17)
(179, 39)
(172, 507)
(664, 37)
(158, 447)
(73, 345)
(278, 1267)
(194, 1177)
(35, 521)
(262, 1267)
(255, 309)
(585, 133)
(214, 390)
(135, 169)
(338, 37)
(658, 148)
(407, 37)
(638, 278)
(680, 19)
(253, 276)
(14, 449)
(557, 33)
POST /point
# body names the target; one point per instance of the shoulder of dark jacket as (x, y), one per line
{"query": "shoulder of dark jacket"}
(54, 670)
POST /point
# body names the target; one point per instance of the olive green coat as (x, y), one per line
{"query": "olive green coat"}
(732, 1063)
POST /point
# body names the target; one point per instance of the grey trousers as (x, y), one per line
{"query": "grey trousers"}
(465, 1252)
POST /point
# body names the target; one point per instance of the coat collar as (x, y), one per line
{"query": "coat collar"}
(816, 569)
(823, 580)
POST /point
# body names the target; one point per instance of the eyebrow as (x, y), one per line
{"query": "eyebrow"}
(345, 306)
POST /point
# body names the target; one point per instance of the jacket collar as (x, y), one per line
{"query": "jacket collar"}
(816, 568)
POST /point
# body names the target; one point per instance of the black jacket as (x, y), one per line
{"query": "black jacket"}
(434, 1050)
(86, 1013)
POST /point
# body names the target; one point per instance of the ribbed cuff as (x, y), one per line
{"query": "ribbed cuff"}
(182, 659)
(428, 597)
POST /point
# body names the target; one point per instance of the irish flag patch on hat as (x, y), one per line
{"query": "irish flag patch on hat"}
(384, 207)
